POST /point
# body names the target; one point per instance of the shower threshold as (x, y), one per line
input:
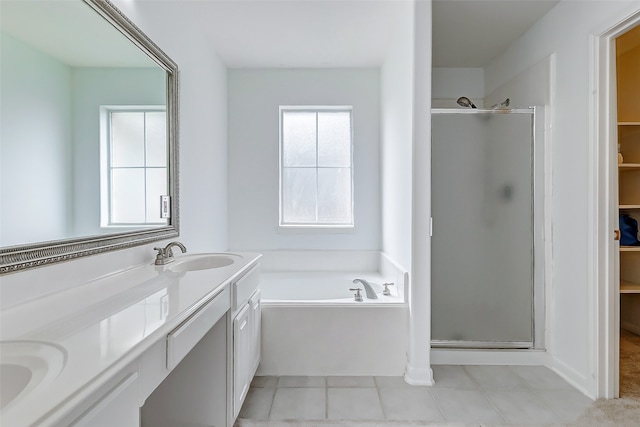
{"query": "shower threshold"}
(483, 345)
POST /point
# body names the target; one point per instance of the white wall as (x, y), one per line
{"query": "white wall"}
(203, 157)
(419, 357)
(396, 121)
(254, 98)
(203, 121)
(565, 32)
(448, 84)
(36, 125)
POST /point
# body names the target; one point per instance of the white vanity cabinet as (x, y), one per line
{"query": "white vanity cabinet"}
(246, 335)
(255, 320)
(117, 407)
(186, 358)
(115, 402)
(195, 390)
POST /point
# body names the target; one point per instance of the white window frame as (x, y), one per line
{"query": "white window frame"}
(318, 226)
(105, 164)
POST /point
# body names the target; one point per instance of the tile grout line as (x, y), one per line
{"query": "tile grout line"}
(438, 407)
(483, 392)
(273, 398)
(326, 398)
(535, 392)
(375, 384)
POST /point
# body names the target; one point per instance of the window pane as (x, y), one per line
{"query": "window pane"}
(298, 195)
(156, 187)
(156, 129)
(298, 138)
(127, 196)
(127, 139)
(334, 138)
(334, 195)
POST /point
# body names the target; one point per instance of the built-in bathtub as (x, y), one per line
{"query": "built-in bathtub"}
(312, 325)
(324, 287)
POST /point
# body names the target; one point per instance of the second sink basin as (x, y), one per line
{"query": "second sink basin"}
(202, 262)
(25, 366)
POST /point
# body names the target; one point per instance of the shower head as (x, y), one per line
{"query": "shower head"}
(501, 105)
(463, 101)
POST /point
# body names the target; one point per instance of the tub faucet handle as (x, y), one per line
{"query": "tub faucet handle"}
(357, 296)
(386, 290)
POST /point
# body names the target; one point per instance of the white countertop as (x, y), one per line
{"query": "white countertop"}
(104, 325)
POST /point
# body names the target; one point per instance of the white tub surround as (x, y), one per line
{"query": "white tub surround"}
(348, 340)
(311, 324)
(111, 334)
(373, 264)
(325, 288)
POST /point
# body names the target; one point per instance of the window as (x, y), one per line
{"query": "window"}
(316, 172)
(134, 165)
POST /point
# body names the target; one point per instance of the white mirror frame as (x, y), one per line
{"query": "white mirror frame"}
(16, 258)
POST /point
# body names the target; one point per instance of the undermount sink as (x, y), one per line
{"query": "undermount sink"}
(25, 366)
(202, 262)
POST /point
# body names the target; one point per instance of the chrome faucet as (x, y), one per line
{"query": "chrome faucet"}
(165, 255)
(357, 296)
(368, 289)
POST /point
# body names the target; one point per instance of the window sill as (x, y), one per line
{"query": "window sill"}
(316, 229)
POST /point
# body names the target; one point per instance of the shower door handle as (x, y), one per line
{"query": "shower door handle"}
(616, 234)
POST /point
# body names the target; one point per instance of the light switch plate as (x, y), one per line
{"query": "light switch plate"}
(165, 207)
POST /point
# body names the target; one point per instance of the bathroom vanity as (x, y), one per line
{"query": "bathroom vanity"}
(151, 345)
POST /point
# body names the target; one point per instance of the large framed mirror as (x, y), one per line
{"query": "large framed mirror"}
(89, 133)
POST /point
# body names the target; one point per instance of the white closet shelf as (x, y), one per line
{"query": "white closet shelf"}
(629, 288)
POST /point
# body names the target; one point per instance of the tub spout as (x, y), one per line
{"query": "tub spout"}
(368, 289)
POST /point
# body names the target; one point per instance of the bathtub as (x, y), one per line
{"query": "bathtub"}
(312, 325)
(324, 287)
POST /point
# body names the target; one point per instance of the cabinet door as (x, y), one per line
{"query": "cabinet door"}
(118, 407)
(256, 325)
(242, 357)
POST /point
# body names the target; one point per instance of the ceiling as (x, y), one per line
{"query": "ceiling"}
(284, 33)
(471, 33)
(293, 33)
(356, 33)
(54, 26)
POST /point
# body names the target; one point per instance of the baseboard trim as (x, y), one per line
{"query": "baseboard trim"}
(441, 356)
(419, 376)
(573, 377)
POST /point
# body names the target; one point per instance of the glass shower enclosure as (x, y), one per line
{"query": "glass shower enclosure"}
(482, 277)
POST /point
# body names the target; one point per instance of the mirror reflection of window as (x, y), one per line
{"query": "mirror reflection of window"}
(135, 165)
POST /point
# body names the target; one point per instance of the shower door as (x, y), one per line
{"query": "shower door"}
(482, 243)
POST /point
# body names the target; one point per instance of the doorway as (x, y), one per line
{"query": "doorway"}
(628, 127)
(612, 273)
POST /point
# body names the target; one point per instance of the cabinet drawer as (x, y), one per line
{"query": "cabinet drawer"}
(182, 339)
(245, 286)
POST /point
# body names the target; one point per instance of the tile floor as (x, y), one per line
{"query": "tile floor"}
(480, 394)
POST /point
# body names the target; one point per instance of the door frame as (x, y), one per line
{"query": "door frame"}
(603, 202)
